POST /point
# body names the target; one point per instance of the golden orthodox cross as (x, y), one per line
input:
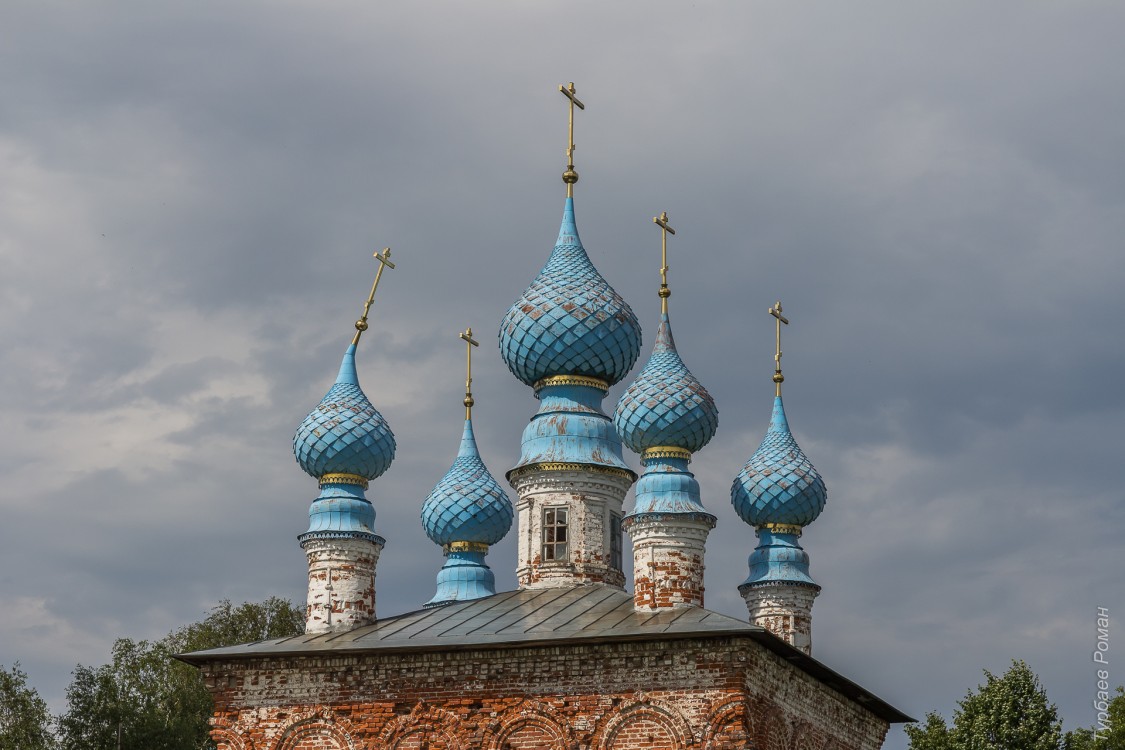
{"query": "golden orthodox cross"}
(384, 259)
(570, 176)
(470, 342)
(665, 230)
(777, 376)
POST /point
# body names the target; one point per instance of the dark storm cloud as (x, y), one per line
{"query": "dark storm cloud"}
(192, 194)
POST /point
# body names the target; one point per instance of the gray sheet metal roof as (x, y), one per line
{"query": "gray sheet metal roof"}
(586, 614)
(508, 619)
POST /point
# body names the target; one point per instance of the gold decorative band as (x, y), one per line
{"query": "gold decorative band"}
(589, 382)
(666, 451)
(559, 466)
(465, 547)
(343, 479)
(782, 528)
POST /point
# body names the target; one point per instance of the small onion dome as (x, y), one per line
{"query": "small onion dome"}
(570, 321)
(778, 485)
(666, 405)
(467, 505)
(345, 434)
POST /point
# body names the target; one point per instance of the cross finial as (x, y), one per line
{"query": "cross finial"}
(570, 176)
(665, 230)
(777, 376)
(470, 342)
(384, 259)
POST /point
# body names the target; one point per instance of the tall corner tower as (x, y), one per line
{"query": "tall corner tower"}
(344, 443)
(666, 415)
(570, 337)
(779, 492)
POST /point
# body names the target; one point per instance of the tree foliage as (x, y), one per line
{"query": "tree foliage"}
(1005, 713)
(1109, 737)
(1008, 713)
(1115, 737)
(1012, 713)
(933, 735)
(146, 700)
(25, 722)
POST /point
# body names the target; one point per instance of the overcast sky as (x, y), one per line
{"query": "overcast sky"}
(190, 194)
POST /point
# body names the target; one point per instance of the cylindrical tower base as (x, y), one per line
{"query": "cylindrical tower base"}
(341, 582)
(569, 525)
(668, 551)
(784, 609)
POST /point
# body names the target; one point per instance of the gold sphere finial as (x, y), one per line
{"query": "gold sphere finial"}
(469, 402)
(361, 325)
(778, 378)
(665, 292)
(570, 177)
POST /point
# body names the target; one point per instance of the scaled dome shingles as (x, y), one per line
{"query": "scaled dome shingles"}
(570, 321)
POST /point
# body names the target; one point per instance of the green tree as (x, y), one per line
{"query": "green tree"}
(933, 735)
(146, 700)
(228, 625)
(1005, 713)
(1008, 713)
(25, 722)
(1115, 737)
(1110, 737)
(1081, 739)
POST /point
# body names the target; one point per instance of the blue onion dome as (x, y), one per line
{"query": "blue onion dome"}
(666, 405)
(345, 434)
(778, 485)
(570, 321)
(467, 505)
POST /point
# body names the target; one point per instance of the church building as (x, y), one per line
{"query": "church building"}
(574, 659)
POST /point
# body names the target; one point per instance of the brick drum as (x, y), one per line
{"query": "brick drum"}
(341, 583)
(668, 552)
(591, 498)
(783, 609)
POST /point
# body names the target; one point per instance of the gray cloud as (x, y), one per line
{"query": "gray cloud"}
(191, 194)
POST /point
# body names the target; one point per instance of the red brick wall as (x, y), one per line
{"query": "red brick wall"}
(717, 694)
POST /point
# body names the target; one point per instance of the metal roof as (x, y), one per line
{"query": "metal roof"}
(530, 617)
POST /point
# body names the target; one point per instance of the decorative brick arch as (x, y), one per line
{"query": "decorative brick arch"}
(227, 736)
(531, 717)
(805, 737)
(429, 724)
(729, 727)
(773, 734)
(642, 710)
(321, 726)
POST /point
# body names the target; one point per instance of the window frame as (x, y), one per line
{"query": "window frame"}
(616, 542)
(553, 549)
